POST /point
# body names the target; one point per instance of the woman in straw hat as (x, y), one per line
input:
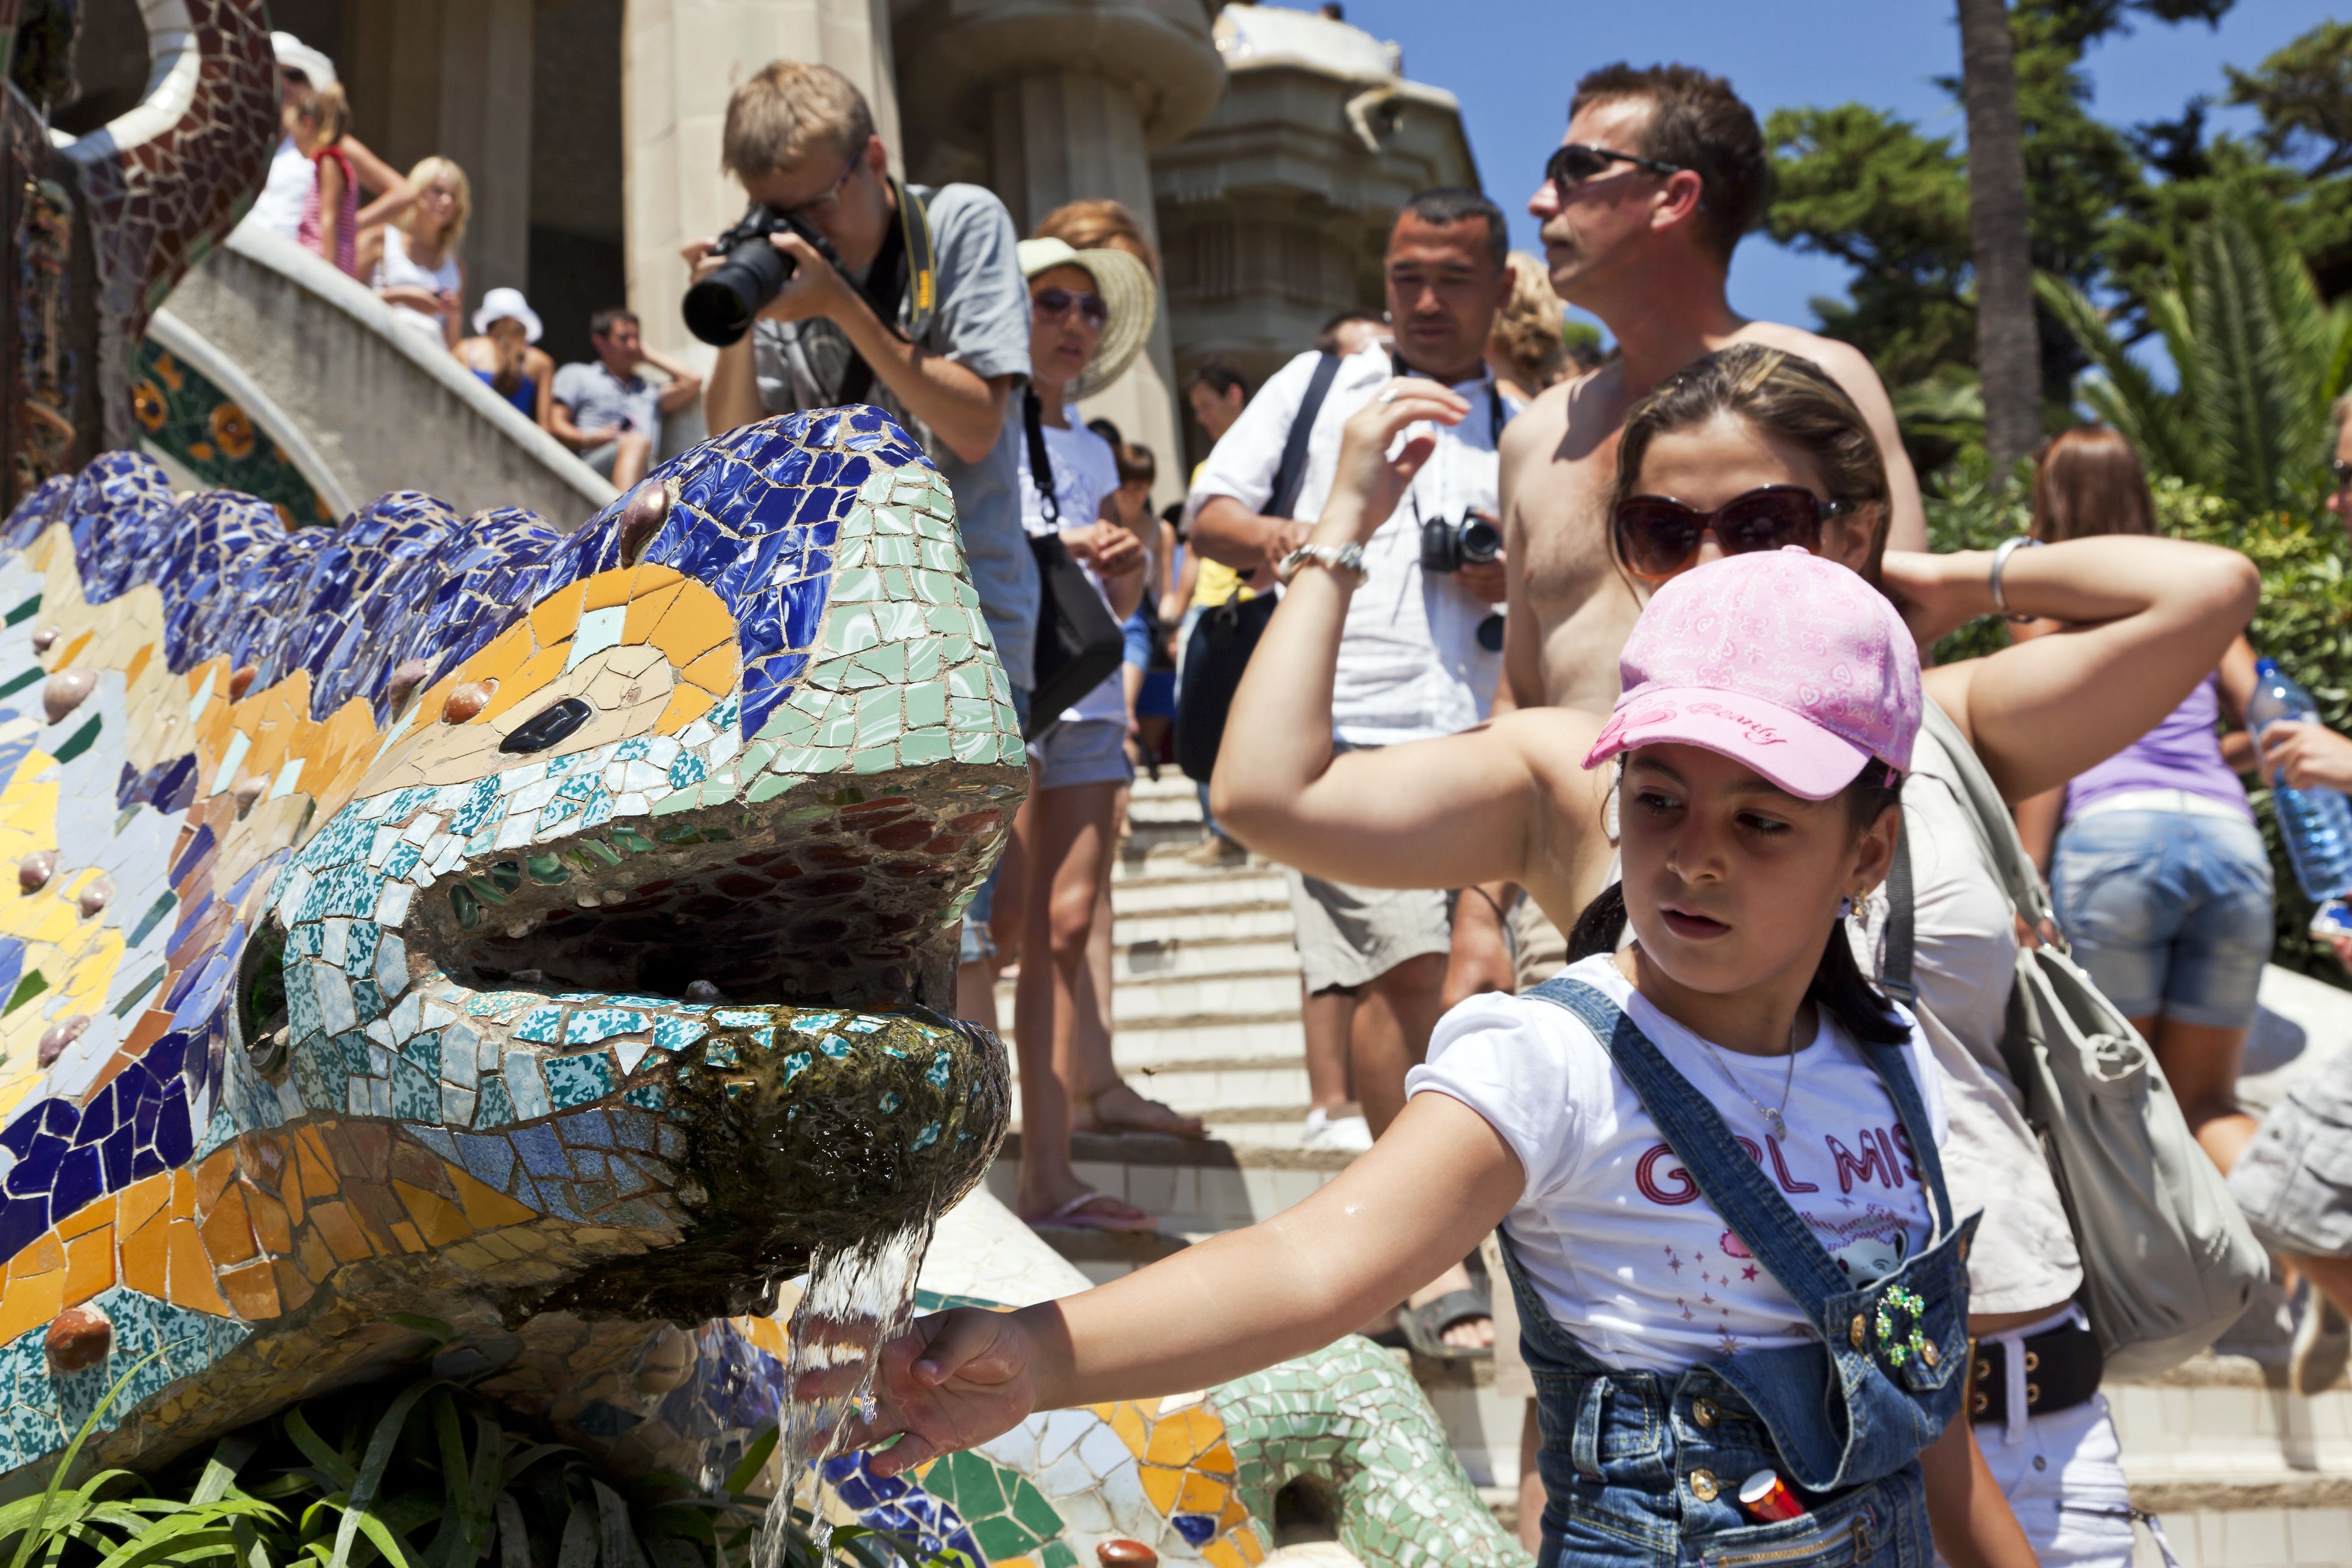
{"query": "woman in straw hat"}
(502, 352)
(1090, 314)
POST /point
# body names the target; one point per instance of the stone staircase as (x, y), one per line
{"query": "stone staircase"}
(1205, 1015)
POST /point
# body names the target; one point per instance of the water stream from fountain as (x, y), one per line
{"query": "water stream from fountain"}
(856, 1299)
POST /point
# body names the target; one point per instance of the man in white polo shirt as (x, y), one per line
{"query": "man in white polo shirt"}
(1422, 646)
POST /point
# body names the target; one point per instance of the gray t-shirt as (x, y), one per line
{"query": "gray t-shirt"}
(982, 324)
(599, 400)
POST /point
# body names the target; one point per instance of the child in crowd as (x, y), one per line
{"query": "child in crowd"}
(330, 212)
(1595, 1120)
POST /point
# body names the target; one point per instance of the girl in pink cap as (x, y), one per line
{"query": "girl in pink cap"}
(1714, 1154)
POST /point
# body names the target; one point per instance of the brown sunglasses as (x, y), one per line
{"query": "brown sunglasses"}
(1657, 535)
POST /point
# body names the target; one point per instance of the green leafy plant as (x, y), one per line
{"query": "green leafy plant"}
(2257, 357)
(417, 1475)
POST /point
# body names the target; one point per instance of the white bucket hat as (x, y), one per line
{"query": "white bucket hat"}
(292, 52)
(507, 304)
(1127, 289)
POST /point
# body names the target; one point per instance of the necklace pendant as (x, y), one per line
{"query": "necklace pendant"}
(1779, 1128)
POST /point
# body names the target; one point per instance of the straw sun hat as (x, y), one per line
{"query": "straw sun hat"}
(1126, 287)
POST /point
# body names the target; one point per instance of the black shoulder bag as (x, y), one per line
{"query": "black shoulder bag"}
(1224, 638)
(1078, 644)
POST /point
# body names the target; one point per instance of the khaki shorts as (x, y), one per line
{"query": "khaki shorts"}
(1350, 936)
(1538, 948)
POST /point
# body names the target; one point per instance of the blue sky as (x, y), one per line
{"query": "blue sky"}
(1515, 61)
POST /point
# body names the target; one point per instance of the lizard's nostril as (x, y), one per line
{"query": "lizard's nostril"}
(547, 728)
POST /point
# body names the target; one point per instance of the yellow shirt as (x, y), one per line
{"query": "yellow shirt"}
(1216, 580)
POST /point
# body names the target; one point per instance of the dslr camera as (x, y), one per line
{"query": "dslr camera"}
(720, 309)
(1448, 544)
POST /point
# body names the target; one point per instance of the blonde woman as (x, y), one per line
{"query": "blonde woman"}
(1526, 350)
(416, 267)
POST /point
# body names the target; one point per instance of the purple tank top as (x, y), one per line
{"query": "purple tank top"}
(2183, 753)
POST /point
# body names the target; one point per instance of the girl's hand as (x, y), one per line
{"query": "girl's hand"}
(1110, 550)
(1368, 482)
(952, 1380)
(2305, 756)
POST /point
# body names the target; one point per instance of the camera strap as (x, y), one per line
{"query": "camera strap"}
(1494, 398)
(906, 264)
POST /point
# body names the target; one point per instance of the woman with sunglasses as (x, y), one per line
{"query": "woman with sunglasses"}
(1746, 451)
(1090, 314)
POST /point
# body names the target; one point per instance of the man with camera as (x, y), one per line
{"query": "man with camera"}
(857, 289)
(1423, 647)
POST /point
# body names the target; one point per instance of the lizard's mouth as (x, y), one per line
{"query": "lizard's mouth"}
(845, 900)
(699, 1034)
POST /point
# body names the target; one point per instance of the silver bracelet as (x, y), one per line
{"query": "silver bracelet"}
(1348, 560)
(2000, 554)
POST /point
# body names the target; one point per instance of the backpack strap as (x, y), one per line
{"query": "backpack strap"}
(1895, 970)
(1041, 462)
(1290, 473)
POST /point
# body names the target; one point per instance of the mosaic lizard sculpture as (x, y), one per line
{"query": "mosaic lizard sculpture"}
(451, 918)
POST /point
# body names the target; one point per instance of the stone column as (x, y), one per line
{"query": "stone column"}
(680, 60)
(1066, 98)
(1060, 136)
(453, 78)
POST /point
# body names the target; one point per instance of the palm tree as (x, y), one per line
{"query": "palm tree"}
(2009, 353)
(2257, 358)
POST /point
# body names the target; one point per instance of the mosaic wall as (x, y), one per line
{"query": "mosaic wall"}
(446, 917)
(1191, 1477)
(181, 412)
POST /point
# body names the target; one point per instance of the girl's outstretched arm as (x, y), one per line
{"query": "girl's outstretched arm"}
(1970, 1519)
(2145, 620)
(1439, 1180)
(1446, 812)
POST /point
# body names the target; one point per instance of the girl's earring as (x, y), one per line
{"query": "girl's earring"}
(1846, 905)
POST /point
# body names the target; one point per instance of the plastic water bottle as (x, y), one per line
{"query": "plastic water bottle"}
(2316, 824)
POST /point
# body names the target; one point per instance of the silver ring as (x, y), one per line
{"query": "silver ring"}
(1388, 393)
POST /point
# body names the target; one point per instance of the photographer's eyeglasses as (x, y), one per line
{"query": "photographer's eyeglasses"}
(824, 198)
(1055, 303)
(1657, 536)
(1573, 163)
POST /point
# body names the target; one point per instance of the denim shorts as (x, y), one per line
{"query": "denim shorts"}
(1073, 751)
(2169, 913)
(974, 945)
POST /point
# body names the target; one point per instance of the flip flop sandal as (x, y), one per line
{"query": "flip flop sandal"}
(1072, 1216)
(1424, 1326)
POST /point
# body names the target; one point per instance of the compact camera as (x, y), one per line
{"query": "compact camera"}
(720, 309)
(1447, 545)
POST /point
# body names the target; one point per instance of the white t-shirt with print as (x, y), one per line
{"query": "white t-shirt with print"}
(1615, 1235)
(1085, 471)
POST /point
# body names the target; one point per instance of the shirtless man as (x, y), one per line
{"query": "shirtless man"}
(1660, 173)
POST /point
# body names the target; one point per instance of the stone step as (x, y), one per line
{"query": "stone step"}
(1170, 999)
(1242, 920)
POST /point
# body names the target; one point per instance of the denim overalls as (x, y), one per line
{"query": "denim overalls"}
(1645, 1467)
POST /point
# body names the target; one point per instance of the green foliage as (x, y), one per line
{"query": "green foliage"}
(2257, 357)
(415, 1476)
(2303, 93)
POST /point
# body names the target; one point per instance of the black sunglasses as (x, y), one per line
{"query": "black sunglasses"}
(1573, 163)
(1657, 536)
(1055, 303)
(2342, 470)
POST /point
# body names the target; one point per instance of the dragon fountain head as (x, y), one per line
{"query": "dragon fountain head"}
(527, 930)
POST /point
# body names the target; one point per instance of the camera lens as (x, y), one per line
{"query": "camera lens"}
(720, 309)
(1481, 541)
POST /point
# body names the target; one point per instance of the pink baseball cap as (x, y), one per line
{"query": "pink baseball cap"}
(1784, 662)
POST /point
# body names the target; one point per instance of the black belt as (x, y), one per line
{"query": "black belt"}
(2062, 1370)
